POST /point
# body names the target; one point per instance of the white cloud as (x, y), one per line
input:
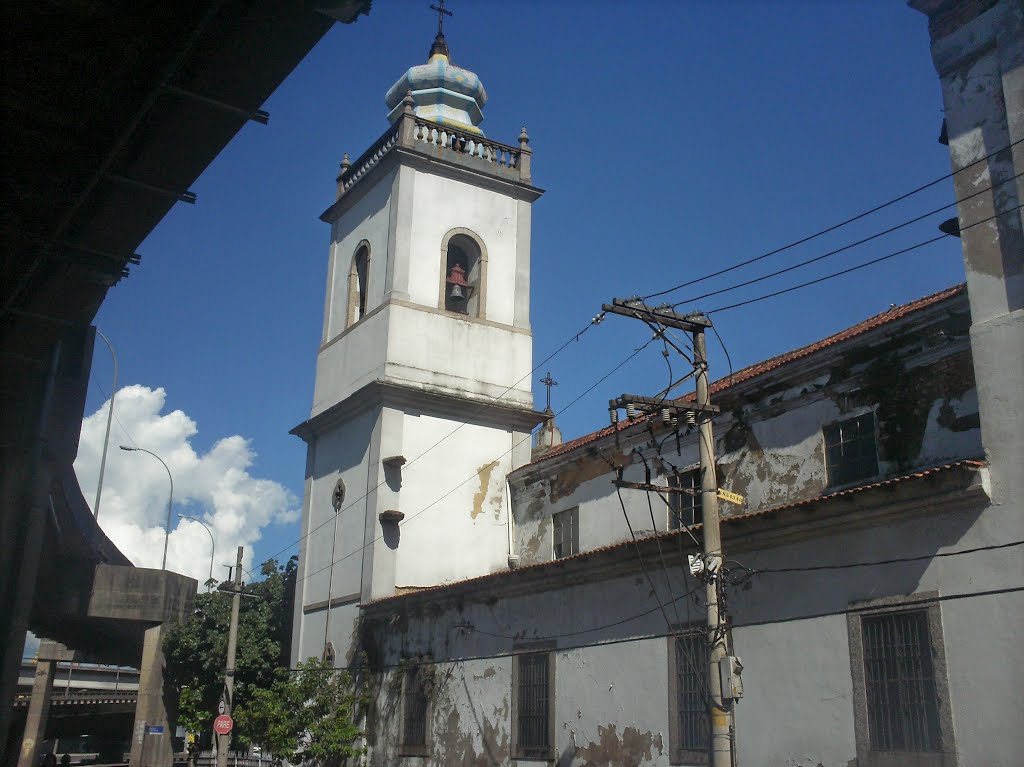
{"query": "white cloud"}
(215, 487)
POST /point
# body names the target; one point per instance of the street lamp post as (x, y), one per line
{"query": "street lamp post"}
(106, 436)
(213, 545)
(170, 496)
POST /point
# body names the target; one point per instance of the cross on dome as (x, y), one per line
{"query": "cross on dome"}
(441, 13)
(441, 92)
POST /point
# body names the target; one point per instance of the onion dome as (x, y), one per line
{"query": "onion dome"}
(441, 92)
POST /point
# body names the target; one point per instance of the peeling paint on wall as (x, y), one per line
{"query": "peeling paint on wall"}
(584, 468)
(484, 475)
(631, 749)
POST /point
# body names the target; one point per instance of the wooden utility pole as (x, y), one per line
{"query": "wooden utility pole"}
(720, 704)
(224, 741)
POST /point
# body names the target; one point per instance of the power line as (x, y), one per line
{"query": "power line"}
(568, 341)
(880, 562)
(644, 637)
(830, 228)
(471, 477)
(843, 249)
(856, 267)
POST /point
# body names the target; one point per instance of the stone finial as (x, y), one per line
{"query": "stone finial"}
(408, 103)
(345, 164)
(524, 139)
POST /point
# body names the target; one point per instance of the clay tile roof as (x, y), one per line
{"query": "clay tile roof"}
(773, 363)
(964, 465)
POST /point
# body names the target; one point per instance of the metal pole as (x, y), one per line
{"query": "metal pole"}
(213, 545)
(170, 497)
(224, 741)
(721, 714)
(106, 436)
(330, 583)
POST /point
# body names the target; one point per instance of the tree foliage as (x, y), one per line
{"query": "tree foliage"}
(196, 652)
(307, 717)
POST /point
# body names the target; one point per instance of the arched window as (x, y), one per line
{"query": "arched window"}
(463, 277)
(358, 277)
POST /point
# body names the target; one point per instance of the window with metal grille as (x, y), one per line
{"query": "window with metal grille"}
(902, 705)
(565, 527)
(533, 698)
(850, 451)
(691, 728)
(414, 711)
(685, 508)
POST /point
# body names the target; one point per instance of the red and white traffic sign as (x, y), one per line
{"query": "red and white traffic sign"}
(222, 724)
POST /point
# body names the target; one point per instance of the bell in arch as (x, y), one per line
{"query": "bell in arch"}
(457, 285)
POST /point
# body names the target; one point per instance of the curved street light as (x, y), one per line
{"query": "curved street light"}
(213, 545)
(170, 496)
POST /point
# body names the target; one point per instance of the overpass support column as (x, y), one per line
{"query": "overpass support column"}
(39, 706)
(155, 713)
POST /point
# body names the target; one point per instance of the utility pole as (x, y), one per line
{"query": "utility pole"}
(721, 711)
(224, 741)
(658, 319)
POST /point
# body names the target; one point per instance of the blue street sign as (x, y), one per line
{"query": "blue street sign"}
(155, 729)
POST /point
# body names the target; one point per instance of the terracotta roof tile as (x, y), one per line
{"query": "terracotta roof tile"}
(773, 363)
(969, 464)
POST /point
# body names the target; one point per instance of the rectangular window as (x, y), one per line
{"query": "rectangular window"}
(533, 705)
(901, 702)
(903, 710)
(685, 508)
(565, 527)
(690, 728)
(414, 712)
(850, 452)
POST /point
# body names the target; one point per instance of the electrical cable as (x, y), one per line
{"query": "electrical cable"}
(880, 562)
(834, 226)
(854, 268)
(698, 673)
(352, 504)
(409, 518)
(640, 638)
(831, 253)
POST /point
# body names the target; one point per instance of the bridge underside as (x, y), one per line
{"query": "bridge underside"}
(111, 111)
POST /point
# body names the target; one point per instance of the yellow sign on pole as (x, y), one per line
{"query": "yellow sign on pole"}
(726, 495)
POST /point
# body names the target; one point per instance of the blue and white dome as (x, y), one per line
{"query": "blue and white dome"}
(441, 92)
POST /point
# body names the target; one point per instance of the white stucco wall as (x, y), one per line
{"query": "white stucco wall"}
(454, 498)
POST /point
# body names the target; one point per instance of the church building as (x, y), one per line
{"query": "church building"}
(505, 603)
(423, 375)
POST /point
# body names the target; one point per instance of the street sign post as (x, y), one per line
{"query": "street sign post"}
(223, 724)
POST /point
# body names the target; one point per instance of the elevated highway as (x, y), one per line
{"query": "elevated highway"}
(111, 111)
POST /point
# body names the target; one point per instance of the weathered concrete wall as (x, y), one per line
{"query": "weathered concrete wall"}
(915, 375)
(610, 640)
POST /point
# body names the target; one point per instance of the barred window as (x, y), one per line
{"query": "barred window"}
(414, 712)
(901, 701)
(685, 508)
(850, 451)
(533, 705)
(903, 709)
(690, 730)
(565, 527)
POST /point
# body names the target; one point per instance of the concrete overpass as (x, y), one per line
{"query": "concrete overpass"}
(111, 111)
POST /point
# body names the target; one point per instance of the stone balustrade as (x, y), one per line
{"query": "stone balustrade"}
(351, 173)
(465, 143)
(444, 142)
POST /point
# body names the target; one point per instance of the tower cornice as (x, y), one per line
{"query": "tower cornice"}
(486, 411)
(440, 149)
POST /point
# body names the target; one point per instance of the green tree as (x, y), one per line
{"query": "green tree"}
(196, 652)
(307, 717)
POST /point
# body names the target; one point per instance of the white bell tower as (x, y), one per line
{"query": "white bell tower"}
(423, 400)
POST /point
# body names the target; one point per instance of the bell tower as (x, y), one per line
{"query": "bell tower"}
(423, 402)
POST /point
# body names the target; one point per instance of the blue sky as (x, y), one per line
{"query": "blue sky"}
(673, 139)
